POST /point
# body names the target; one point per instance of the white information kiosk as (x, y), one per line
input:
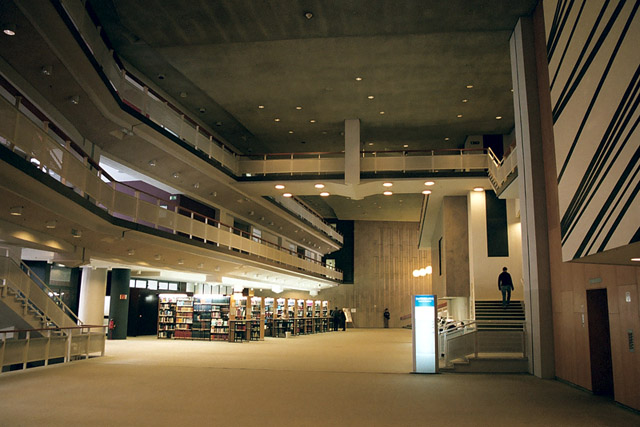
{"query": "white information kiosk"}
(425, 334)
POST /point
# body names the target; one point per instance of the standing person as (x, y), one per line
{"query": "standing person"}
(336, 318)
(505, 285)
(343, 320)
(387, 316)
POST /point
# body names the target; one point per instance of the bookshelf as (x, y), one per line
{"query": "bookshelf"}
(166, 317)
(220, 318)
(269, 309)
(184, 318)
(256, 332)
(308, 317)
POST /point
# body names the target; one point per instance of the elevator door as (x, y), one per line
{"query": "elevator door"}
(600, 342)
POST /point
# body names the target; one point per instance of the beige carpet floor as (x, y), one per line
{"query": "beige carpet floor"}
(352, 378)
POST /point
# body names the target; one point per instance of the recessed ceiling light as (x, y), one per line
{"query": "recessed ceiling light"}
(76, 233)
(319, 185)
(51, 224)
(157, 257)
(308, 15)
(469, 86)
(9, 29)
(180, 262)
(290, 131)
(152, 163)
(298, 107)
(459, 115)
(465, 100)
(75, 99)
(381, 112)
(324, 194)
(426, 192)
(446, 139)
(405, 146)
(287, 195)
(176, 175)
(161, 76)
(261, 106)
(429, 183)
(279, 187)
(388, 193)
(47, 70)
(498, 117)
(635, 259)
(387, 184)
(16, 210)
(478, 189)
(370, 97)
(312, 121)
(183, 94)
(276, 119)
(358, 79)
(131, 252)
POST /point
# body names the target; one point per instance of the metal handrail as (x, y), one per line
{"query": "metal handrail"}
(33, 276)
(56, 329)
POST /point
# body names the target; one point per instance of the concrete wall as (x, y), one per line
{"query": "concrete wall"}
(484, 270)
(455, 246)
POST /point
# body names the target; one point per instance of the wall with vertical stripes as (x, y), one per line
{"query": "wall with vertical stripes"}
(594, 75)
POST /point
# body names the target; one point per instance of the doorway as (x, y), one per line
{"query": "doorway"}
(143, 313)
(600, 343)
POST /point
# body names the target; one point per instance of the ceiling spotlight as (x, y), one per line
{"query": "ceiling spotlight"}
(446, 139)
(290, 131)
(381, 112)
(426, 192)
(465, 100)
(478, 189)
(180, 262)
(287, 195)
(312, 121)
(429, 183)
(406, 146)
(176, 175)
(459, 116)
(157, 257)
(319, 186)
(51, 224)
(161, 76)
(276, 119)
(196, 185)
(388, 193)
(358, 79)
(47, 70)
(9, 29)
(279, 187)
(308, 15)
(498, 117)
(370, 97)
(298, 108)
(75, 99)
(469, 86)
(131, 252)
(635, 259)
(261, 106)
(324, 194)
(76, 233)
(16, 210)
(203, 110)
(152, 162)
(387, 184)
(183, 94)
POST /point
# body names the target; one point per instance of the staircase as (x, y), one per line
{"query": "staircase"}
(491, 316)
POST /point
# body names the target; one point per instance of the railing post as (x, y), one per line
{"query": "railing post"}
(67, 352)
(25, 353)
(104, 340)
(475, 342)
(135, 215)
(47, 348)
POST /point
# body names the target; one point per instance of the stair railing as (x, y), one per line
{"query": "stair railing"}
(36, 294)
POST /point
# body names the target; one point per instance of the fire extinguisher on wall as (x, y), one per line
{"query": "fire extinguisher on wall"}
(112, 326)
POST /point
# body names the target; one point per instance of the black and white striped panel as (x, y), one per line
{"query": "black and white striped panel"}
(593, 48)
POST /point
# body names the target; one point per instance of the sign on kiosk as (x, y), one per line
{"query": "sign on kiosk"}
(425, 334)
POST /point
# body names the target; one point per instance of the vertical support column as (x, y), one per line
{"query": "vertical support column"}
(93, 288)
(352, 152)
(119, 305)
(533, 202)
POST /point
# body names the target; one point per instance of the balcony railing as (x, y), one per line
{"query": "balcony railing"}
(49, 152)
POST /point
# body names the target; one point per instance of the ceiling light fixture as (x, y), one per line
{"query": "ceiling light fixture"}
(287, 195)
(196, 185)
(478, 189)
(370, 97)
(9, 29)
(290, 131)
(459, 116)
(131, 252)
(183, 94)
(176, 175)
(76, 233)
(47, 70)
(261, 106)
(157, 257)
(276, 119)
(152, 163)
(498, 117)
(161, 76)
(405, 146)
(387, 184)
(75, 99)
(465, 100)
(446, 139)
(426, 192)
(324, 194)
(312, 121)
(16, 210)
(319, 186)
(635, 259)
(381, 112)
(298, 107)
(180, 262)
(429, 183)
(371, 143)
(388, 193)
(469, 86)
(308, 15)
(279, 187)
(51, 224)
(358, 79)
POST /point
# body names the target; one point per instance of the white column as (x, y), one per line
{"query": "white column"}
(352, 152)
(93, 289)
(533, 203)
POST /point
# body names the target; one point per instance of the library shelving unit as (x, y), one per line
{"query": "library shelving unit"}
(269, 304)
(317, 318)
(256, 328)
(220, 318)
(308, 318)
(238, 318)
(292, 321)
(300, 329)
(166, 316)
(184, 318)
(281, 319)
(325, 316)
(201, 327)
